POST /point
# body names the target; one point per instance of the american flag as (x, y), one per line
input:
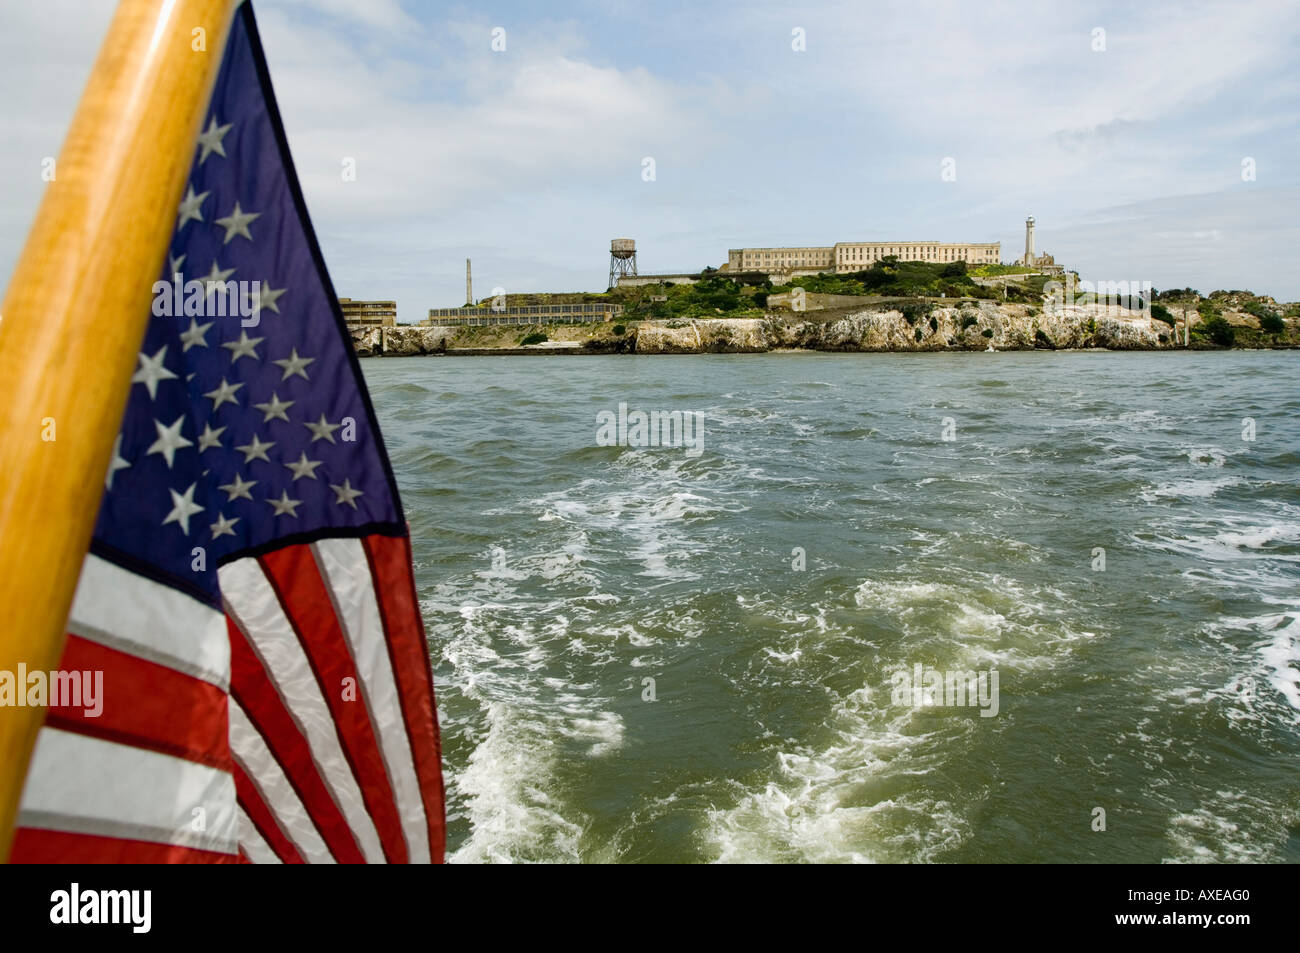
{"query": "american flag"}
(248, 593)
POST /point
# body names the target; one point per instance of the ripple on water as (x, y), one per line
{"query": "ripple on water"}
(620, 563)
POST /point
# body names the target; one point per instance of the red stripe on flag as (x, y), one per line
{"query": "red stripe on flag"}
(305, 599)
(250, 799)
(390, 569)
(36, 846)
(146, 705)
(253, 689)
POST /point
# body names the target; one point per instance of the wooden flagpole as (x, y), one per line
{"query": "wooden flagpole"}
(73, 318)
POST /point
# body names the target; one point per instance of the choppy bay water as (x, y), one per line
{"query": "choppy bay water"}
(556, 575)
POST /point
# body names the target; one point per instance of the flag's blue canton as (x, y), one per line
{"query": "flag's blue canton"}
(237, 436)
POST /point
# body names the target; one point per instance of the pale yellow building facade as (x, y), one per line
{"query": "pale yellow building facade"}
(780, 259)
(855, 256)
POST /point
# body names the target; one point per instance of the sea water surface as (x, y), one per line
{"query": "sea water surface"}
(557, 576)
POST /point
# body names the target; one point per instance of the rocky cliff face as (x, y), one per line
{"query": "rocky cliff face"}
(401, 341)
(1004, 327)
(737, 335)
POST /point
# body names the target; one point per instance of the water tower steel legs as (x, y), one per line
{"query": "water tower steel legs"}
(620, 267)
(622, 259)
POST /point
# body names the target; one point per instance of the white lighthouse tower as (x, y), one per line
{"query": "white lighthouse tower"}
(1029, 241)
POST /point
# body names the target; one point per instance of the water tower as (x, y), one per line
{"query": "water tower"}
(622, 259)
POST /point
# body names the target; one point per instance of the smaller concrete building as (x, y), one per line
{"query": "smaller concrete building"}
(369, 314)
(806, 259)
(640, 281)
(691, 278)
(524, 314)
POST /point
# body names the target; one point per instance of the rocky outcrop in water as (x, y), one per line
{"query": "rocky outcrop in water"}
(722, 336)
(401, 341)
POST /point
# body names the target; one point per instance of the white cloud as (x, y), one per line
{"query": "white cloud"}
(504, 151)
(46, 51)
(1224, 240)
(383, 15)
(534, 120)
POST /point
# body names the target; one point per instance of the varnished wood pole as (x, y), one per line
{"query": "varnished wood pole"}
(73, 319)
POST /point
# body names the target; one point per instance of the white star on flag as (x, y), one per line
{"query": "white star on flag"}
(274, 409)
(117, 463)
(323, 430)
(225, 393)
(346, 493)
(303, 467)
(236, 223)
(215, 279)
(152, 371)
(223, 526)
(169, 440)
(244, 347)
(240, 487)
(195, 336)
(211, 140)
(190, 208)
(255, 450)
(293, 364)
(183, 507)
(210, 438)
(268, 296)
(284, 505)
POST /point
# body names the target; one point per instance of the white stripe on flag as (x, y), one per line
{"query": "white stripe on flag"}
(134, 614)
(255, 848)
(79, 784)
(346, 572)
(255, 607)
(250, 750)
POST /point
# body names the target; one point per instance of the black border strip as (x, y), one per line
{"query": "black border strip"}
(384, 528)
(136, 565)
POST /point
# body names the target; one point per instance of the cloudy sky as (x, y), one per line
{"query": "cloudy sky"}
(530, 159)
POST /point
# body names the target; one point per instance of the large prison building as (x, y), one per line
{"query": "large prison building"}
(855, 256)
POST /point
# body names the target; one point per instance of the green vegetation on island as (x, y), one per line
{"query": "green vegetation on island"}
(890, 277)
(1220, 319)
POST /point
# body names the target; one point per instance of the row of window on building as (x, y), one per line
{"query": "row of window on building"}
(375, 313)
(865, 253)
(555, 310)
(759, 258)
(523, 314)
(766, 258)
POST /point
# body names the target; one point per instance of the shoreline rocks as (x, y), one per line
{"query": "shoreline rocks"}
(958, 328)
